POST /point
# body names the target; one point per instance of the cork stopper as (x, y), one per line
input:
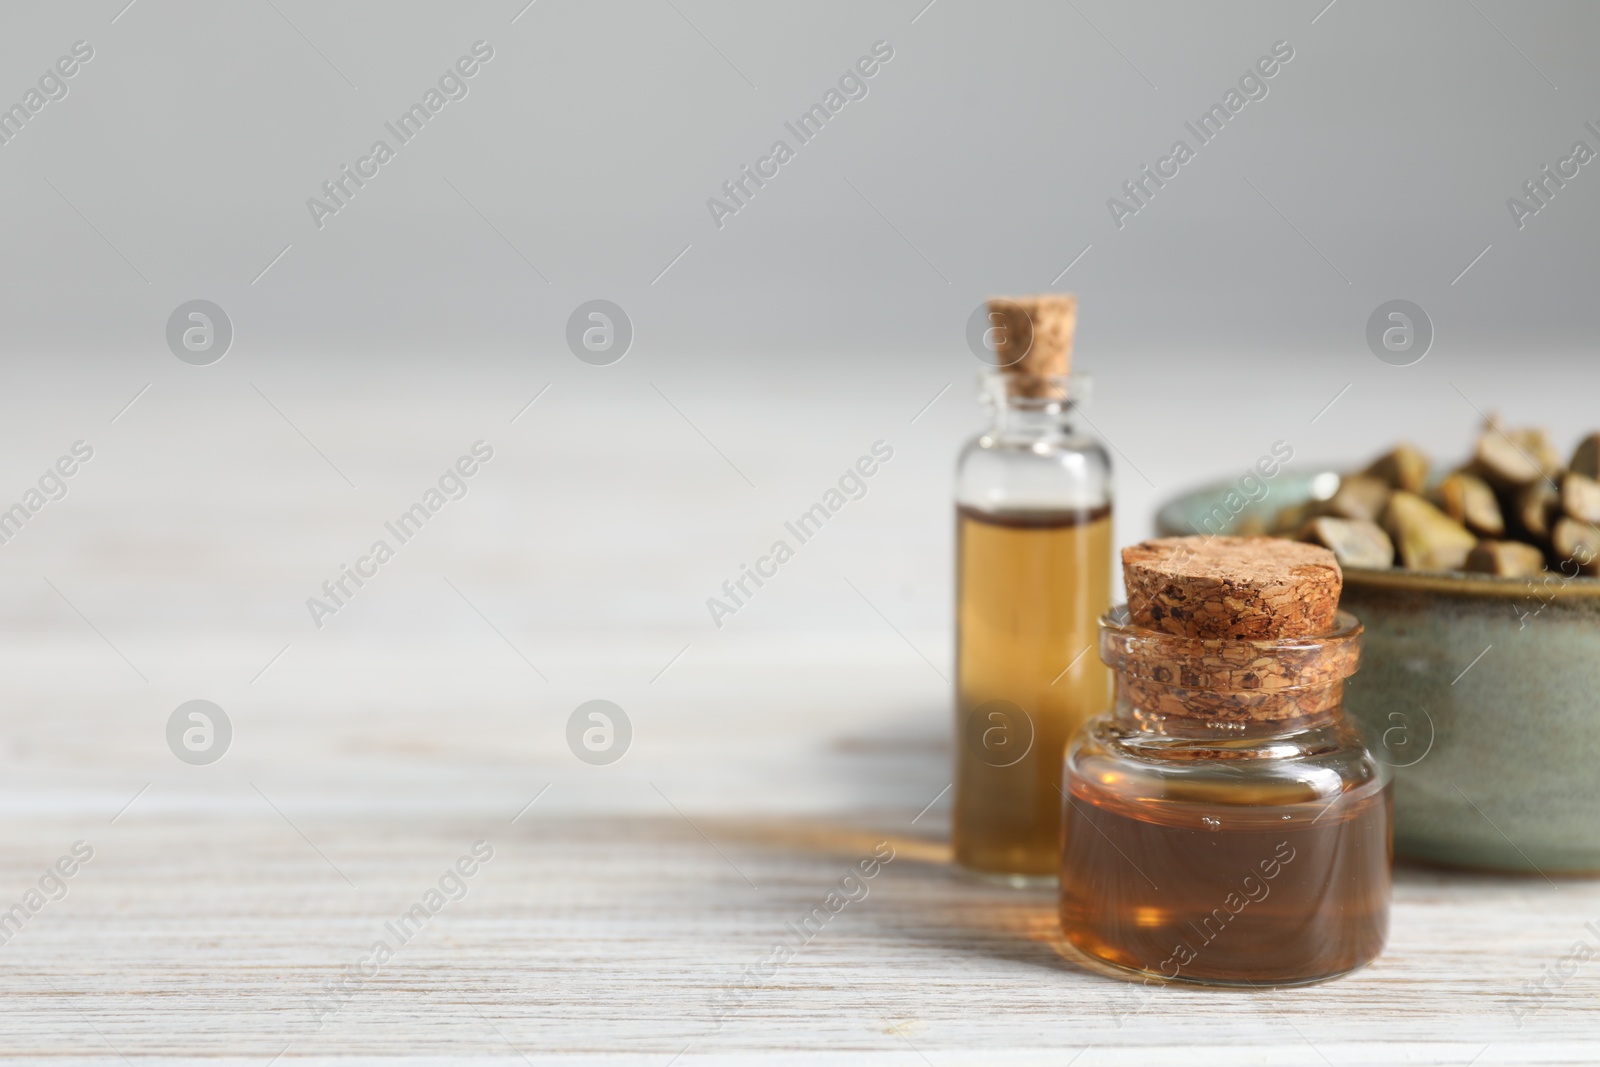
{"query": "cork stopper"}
(1233, 629)
(1033, 340)
(1249, 588)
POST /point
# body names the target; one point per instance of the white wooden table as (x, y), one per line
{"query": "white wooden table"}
(767, 758)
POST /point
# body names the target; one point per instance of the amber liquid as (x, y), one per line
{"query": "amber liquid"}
(1227, 894)
(1030, 589)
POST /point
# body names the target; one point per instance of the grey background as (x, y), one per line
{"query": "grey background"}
(1227, 315)
(991, 141)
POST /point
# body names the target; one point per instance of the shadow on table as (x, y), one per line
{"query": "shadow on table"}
(933, 903)
(923, 899)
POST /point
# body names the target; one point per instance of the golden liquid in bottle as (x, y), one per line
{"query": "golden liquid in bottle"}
(1030, 589)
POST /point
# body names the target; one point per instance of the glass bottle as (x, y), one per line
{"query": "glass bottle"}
(1033, 576)
(1197, 848)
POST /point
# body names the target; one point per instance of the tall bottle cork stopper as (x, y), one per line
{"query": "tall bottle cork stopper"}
(1252, 588)
(1033, 340)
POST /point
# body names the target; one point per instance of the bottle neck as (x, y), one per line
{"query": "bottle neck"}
(1032, 409)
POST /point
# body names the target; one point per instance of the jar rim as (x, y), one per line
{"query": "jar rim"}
(1347, 630)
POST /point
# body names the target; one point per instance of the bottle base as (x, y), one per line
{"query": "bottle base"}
(1006, 878)
(1122, 972)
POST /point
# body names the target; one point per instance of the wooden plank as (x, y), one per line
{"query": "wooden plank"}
(212, 937)
(768, 758)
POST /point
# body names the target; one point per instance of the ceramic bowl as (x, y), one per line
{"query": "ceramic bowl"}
(1482, 693)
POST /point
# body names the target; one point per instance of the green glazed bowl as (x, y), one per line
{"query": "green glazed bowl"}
(1482, 694)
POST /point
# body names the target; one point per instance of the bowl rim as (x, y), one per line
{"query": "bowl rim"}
(1464, 583)
(1551, 585)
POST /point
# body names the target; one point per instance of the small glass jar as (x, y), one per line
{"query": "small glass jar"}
(1225, 823)
(1033, 576)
